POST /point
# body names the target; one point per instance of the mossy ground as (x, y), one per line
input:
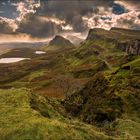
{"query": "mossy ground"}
(111, 96)
(19, 121)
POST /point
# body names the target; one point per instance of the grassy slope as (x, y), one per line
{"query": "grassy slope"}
(81, 63)
(111, 97)
(120, 70)
(18, 121)
(127, 81)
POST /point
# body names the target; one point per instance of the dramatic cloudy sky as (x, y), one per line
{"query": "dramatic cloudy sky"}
(41, 19)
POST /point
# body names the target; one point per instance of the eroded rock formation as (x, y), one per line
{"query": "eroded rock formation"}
(131, 47)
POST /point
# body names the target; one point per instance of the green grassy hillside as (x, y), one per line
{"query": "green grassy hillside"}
(73, 93)
(111, 101)
(27, 116)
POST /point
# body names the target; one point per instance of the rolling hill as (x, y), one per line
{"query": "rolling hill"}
(59, 42)
(86, 92)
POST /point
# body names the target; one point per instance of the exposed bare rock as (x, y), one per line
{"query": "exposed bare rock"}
(131, 47)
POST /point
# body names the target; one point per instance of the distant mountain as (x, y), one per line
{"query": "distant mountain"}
(5, 47)
(59, 41)
(20, 52)
(74, 39)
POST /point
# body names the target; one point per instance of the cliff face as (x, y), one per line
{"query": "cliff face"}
(125, 40)
(95, 102)
(131, 47)
(100, 34)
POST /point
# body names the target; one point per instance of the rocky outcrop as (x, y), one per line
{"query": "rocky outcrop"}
(95, 102)
(59, 41)
(125, 40)
(100, 34)
(130, 47)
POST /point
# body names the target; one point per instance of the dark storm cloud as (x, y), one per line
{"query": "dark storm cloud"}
(37, 26)
(71, 12)
(57, 16)
(5, 27)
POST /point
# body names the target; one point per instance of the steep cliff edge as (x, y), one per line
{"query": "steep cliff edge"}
(130, 47)
(125, 40)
